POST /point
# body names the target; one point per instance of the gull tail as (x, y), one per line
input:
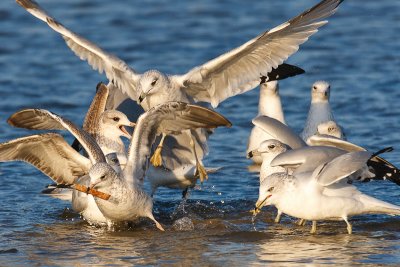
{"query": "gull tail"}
(376, 206)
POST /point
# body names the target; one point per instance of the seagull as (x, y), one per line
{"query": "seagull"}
(320, 110)
(324, 193)
(128, 200)
(269, 105)
(268, 150)
(330, 128)
(231, 73)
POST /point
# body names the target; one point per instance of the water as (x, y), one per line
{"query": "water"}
(358, 52)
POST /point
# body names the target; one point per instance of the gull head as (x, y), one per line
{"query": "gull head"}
(270, 190)
(102, 175)
(330, 128)
(113, 122)
(320, 91)
(113, 161)
(151, 83)
(270, 88)
(268, 148)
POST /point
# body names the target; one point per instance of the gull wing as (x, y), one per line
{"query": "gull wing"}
(383, 169)
(306, 159)
(279, 131)
(282, 72)
(169, 118)
(116, 70)
(49, 153)
(96, 108)
(340, 167)
(40, 119)
(240, 69)
(327, 140)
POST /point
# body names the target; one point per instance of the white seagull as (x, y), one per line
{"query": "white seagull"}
(320, 110)
(232, 73)
(269, 105)
(268, 150)
(324, 194)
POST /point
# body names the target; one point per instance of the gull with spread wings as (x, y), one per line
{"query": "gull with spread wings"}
(231, 73)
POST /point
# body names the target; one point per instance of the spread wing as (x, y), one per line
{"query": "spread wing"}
(40, 119)
(96, 108)
(340, 167)
(306, 159)
(49, 153)
(169, 118)
(240, 70)
(116, 70)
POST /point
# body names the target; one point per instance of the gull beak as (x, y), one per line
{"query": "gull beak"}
(141, 98)
(132, 124)
(259, 205)
(91, 186)
(126, 134)
(253, 153)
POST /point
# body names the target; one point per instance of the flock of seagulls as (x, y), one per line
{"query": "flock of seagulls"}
(308, 176)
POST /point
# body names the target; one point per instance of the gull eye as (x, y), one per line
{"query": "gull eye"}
(102, 177)
(271, 146)
(154, 82)
(116, 119)
(271, 189)
(314, 87)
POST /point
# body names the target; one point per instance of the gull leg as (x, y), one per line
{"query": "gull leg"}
(156, 159)
(200, 170)
(349, 227)
(185, 193)
(158, 225)
(301, 222)
(278, 216)
(314, 227)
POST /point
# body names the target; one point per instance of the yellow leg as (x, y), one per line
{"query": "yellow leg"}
(200, 170)
(349, 227)
(278, 216)
(156, 159)
(314, 227)
(301, 222)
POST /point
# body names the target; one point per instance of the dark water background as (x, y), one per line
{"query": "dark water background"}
(357, 52)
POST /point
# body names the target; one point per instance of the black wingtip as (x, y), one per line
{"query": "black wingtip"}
(385, 150)
(282, 72)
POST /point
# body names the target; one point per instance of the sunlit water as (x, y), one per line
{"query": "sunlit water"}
(357, 52)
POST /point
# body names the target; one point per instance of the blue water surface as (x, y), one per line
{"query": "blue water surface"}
(358, 52)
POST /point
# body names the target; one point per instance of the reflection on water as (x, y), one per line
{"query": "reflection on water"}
(357, 52)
